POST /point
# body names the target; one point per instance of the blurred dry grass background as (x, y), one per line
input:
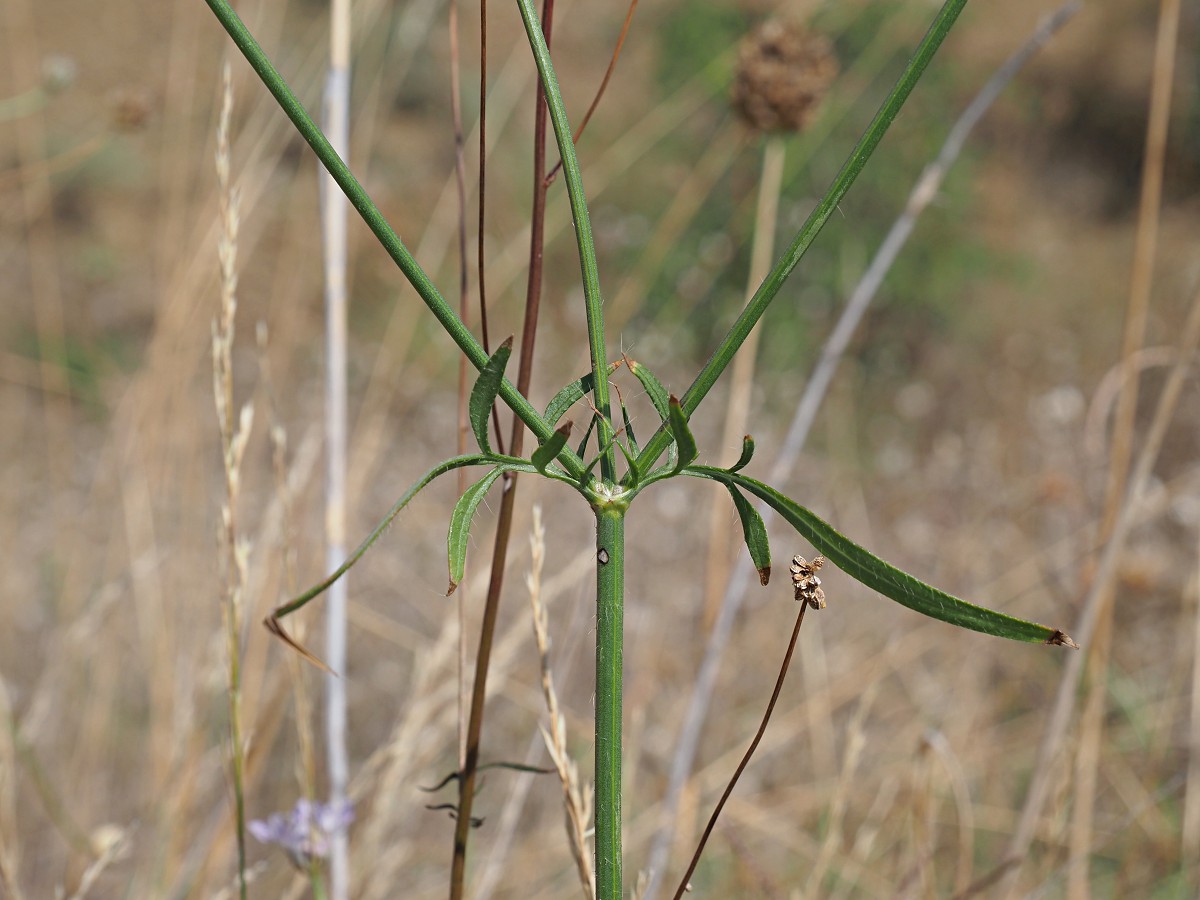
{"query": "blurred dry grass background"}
(965, 441)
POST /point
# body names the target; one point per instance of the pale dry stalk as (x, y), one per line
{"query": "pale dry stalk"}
(306, 765)
(1087, 758)
(234, 550)
(737, 408)
(938, 744)
(10, 855)
(848, 778)
(1190, 837)
(1046, 769)
(113, 845)
(576, 800)
(334, 207)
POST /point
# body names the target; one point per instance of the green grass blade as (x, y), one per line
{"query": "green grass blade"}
(483, 394)
(882, 577)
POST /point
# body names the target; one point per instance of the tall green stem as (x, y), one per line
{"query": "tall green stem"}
(610, 615)
(593, 304)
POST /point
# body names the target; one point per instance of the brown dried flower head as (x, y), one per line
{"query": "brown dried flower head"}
(783, 73)
(805, 581)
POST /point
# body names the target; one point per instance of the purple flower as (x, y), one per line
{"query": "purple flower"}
(304, 832)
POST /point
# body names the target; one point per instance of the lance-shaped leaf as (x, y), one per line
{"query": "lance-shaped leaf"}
(570, 395)
(635, 473)
(654, 388)
(583, 444)
(483, 395)
(755, 533)
(274, 623)
(460, 524)
(633, 444)
(864, 566)
(659, 397)
(683, 435)
(747, 455)
(548, 452)
(587, 471)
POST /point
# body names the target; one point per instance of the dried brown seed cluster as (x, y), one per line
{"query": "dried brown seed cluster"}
(783, 72)
(806, 582)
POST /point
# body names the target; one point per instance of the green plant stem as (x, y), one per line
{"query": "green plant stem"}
(449, 320)
(583, 232)
(610, 614)
(770, 287)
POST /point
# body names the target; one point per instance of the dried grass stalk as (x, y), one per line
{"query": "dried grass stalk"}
(577, 800)
(234, 551)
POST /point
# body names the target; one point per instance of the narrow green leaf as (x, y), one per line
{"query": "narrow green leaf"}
(659, 397)
(483, 395)
(599, 457)
(593, 301)
(654, 388)
(628, 423)
(583, 446)
(548, 452)
(755, 533)
(683, 435)
(373, 217)
(406, 498)
(460, 524)
(880, 576)
(769, 289)
(634, 477)
(570, 395)
(747, 455)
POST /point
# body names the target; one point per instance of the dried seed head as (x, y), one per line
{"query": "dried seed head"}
(783, 72)
(805, 580)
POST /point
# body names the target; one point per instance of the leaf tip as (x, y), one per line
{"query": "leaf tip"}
(273, 625)
(1062, 639)
(453, 587)
(764, 575)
